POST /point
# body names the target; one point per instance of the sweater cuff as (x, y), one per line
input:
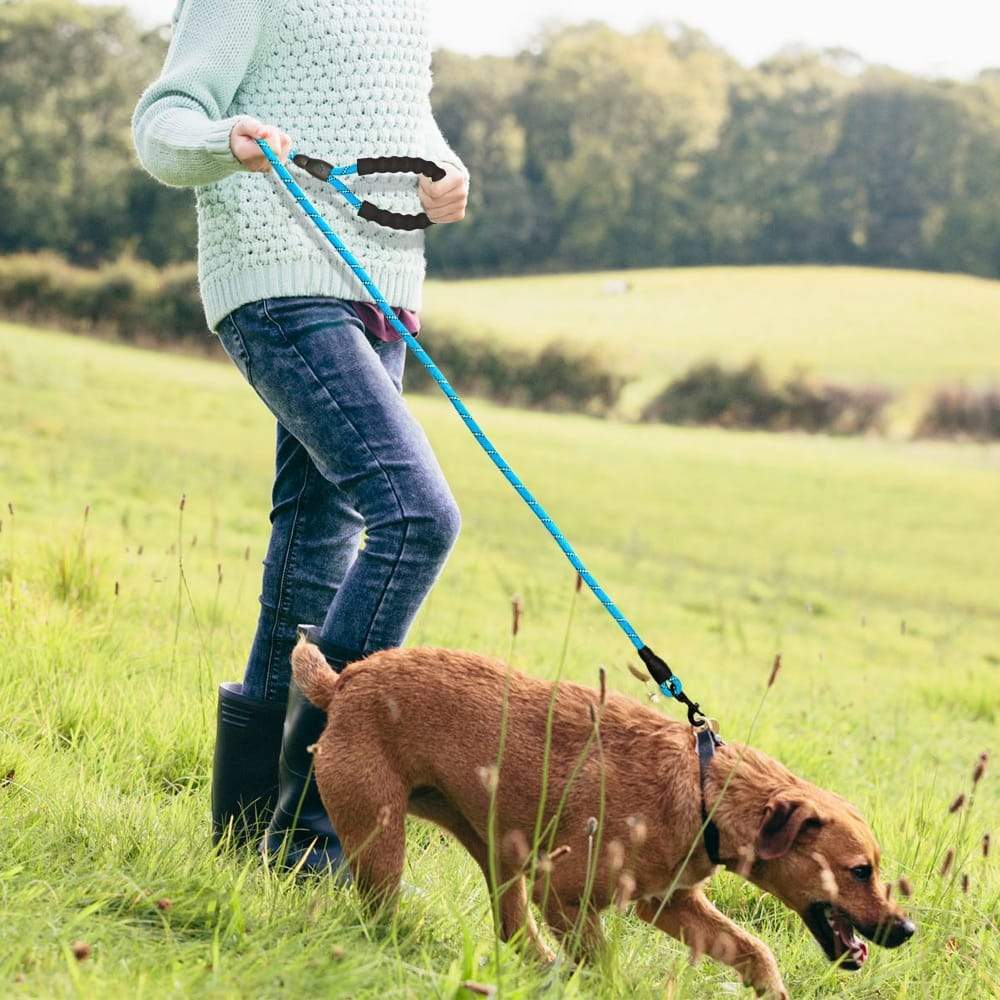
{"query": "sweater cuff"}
(217, 138)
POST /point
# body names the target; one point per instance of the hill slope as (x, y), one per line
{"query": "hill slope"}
(871, 566)
(906, 329)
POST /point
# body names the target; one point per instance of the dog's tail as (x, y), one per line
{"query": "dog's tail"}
(314, 676)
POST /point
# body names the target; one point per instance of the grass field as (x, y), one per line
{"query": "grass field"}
(872, 566)
(907, 330)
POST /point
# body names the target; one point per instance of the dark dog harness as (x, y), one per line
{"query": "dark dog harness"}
(707, 741)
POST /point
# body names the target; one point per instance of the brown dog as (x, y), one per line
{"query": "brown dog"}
(418, 731)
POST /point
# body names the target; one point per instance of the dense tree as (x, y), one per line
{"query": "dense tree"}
(592, 148)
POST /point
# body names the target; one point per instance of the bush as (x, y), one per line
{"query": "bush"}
(959, 411)
(558, 378)
(126, 299)
(137, 302)
(745, 398)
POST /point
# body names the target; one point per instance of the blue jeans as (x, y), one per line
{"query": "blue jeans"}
(351, 461)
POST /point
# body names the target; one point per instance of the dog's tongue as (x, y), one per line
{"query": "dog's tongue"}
(855, 948)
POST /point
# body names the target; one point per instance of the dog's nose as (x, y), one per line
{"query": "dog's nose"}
(901, 932)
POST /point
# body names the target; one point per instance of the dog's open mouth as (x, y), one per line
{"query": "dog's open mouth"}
(834, 931)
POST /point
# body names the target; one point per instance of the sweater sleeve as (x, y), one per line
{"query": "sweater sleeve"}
(181, 126)
(438, 148)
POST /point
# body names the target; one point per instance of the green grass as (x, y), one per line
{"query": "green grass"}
(904, 329)
(873, 566)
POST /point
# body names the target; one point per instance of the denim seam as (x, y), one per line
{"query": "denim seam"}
(286, 569)
(385, 590)
(372, 455)
(241, 341)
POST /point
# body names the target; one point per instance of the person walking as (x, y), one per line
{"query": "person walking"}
(346, 79)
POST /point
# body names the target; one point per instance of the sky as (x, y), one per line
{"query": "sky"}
(932, 38)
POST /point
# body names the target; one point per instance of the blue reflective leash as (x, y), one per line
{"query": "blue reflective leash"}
(667, 681)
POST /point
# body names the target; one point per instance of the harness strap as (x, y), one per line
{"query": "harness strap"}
(707, 741)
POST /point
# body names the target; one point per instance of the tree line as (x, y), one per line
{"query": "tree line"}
(591, 148)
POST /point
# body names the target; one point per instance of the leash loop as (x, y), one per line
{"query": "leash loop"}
(667, 681)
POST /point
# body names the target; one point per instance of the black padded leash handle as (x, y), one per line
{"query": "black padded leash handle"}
(400, 165)
(370, 165)
(397, 165)
(394, 220)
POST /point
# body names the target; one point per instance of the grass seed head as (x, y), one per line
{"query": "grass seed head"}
(957, 804)
(905, 888)
(164, 904)
(480, 989)
(591, 826)
(184, 501)
(602, 676)
(775, 670)
(747, 856)
(515, 845)
(8, 779)
(965, 882)
(986, 837)
(488, 777)
(337, 953)
(980, 769)
(636, 831)
(616, 855)
(640, 675)
(626, 890)
(949, 857)
(579, 583)
(81, 950)
(560, 852)
(517, 610)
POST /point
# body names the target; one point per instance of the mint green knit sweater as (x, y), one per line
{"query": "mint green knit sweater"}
(345, 79)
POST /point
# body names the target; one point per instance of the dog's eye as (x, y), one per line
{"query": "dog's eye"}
(862, 872)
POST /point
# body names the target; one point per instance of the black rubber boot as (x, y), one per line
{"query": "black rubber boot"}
(245, 771)
(300, 835)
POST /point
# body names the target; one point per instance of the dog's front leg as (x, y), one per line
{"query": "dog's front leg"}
(692, 919)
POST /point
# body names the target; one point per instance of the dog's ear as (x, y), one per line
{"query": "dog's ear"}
(784, 820)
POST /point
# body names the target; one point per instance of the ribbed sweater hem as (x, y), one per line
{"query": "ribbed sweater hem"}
(221, 295)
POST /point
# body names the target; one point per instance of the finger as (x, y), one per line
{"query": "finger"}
(451, 215)
(436, 190)
(450, 204)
